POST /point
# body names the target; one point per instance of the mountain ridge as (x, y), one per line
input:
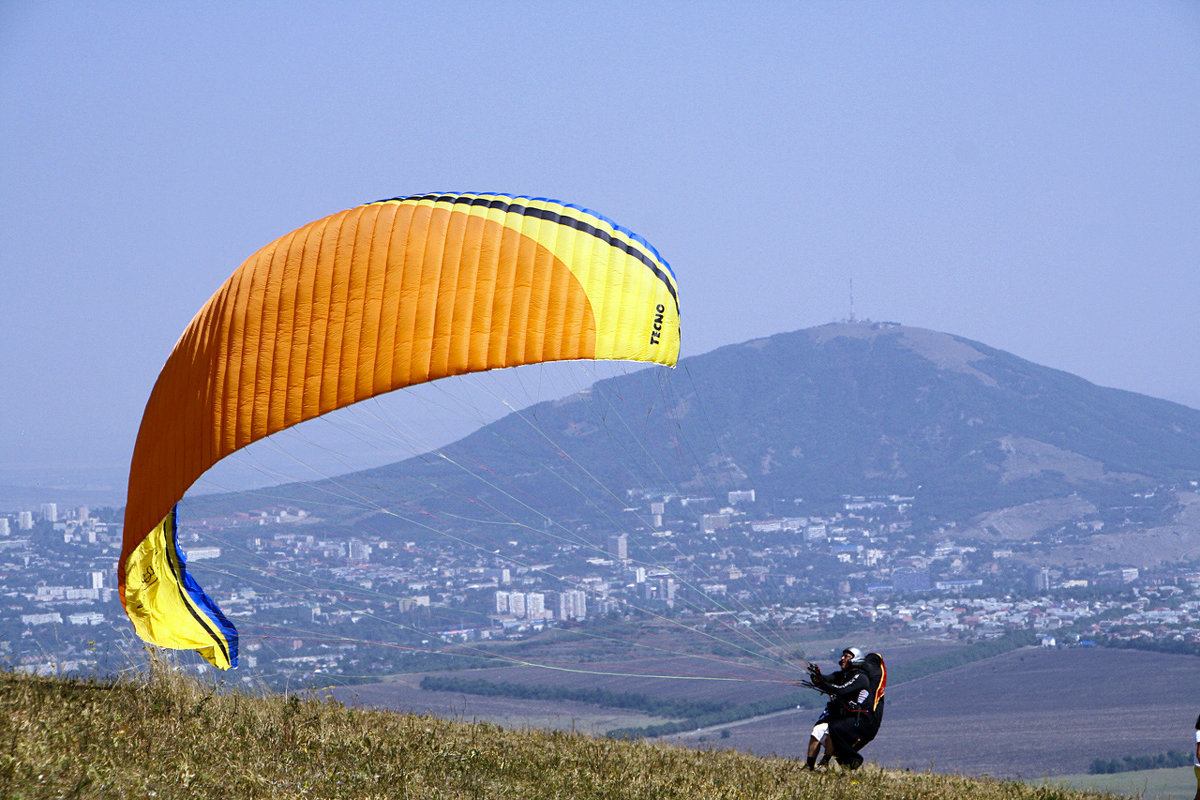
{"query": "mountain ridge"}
(820, 413)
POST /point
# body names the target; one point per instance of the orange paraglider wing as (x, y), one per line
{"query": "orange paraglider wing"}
(362, 302)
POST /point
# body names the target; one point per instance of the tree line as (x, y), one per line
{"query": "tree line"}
(661, 707)
(1154, 645)
(1172, 758)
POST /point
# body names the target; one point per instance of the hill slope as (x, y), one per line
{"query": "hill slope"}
(841, 409)
(174, 738)
(849, 406)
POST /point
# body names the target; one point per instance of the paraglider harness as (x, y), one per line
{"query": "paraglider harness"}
(876, 672)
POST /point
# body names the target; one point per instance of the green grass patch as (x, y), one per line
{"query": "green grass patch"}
(1178, 783)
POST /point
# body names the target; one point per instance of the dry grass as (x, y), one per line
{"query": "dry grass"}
(165, 735)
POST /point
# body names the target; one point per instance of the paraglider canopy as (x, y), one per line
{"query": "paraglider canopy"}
(362, 302)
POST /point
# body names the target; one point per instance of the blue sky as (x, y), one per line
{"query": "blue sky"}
(1023, 174)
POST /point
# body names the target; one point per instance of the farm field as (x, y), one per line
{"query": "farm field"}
(750, 684)
(1177, 783)
(1026, 714)
(405, 695)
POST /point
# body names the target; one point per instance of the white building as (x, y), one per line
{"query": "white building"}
(360, 551)
(618, 546)
(668, 590)
(572, 604)
(498, 574)
(50, 512)
(521, 605)
(203, 553)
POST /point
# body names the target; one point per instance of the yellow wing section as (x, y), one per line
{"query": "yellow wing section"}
(356, 304)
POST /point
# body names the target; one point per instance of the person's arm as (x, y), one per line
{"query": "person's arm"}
(848, 687)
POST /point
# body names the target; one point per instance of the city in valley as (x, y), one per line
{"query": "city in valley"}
(314, 605)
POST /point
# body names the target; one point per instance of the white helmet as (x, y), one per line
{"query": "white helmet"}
(856, 655)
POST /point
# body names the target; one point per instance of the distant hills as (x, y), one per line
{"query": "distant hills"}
(96, 487)
(979, 438)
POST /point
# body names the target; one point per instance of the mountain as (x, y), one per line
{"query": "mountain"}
(867, 408)
(978, 437)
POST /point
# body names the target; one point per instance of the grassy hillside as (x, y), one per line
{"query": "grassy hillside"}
(168, 736)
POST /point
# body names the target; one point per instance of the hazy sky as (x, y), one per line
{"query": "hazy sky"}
(1023, 174)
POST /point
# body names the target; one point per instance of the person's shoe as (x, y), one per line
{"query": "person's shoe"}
(853, 761)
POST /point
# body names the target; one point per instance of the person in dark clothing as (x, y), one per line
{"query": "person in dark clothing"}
(856, 704)
(1196, 759)
(820, 733)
